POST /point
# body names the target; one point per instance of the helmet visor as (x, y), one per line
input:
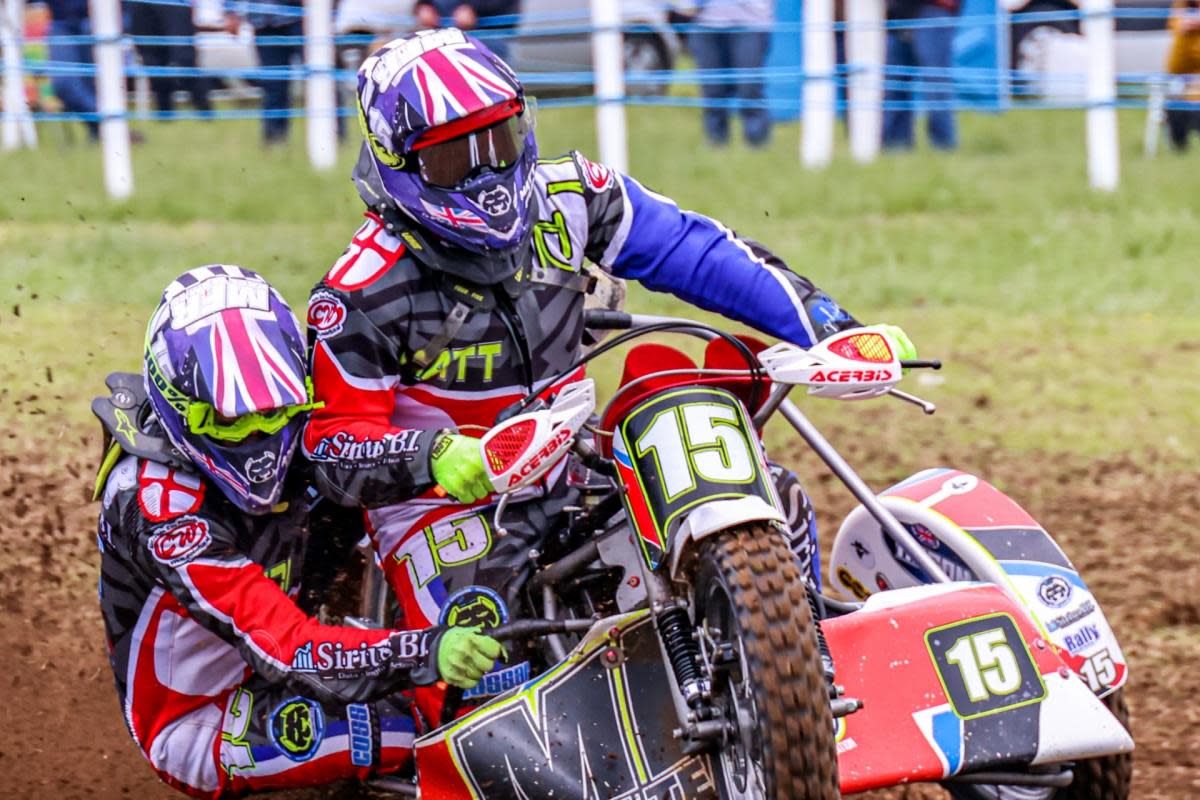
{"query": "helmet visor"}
(450, 163)
(202, 419)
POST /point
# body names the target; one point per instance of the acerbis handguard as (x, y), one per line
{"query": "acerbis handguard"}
(854, 364)
(521, 450)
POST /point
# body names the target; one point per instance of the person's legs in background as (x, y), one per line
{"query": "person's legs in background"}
(897, 95)
(1179, 128)
(76, 92)
(710, 50)
(934, 51)
(748, 50)
(276, 92)
(177, 21)
(147, 19)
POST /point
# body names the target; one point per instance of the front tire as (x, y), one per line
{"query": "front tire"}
(1108, 777)
(749, 588)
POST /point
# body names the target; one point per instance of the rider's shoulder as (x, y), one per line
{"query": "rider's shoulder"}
(374, 254)
(161, 493)
(140, 463)
(574, 171)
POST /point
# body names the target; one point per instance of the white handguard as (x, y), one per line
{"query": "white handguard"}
(852, 365)
(519, 451)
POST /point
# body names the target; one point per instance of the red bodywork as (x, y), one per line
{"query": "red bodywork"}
(882, 660)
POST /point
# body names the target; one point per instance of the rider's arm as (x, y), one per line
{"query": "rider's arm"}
(635, 233)
(196, 559)
(361, 456)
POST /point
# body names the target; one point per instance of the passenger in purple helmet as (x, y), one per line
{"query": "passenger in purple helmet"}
(465, 287)
(227, 683)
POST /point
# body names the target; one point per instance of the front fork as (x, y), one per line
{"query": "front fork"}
(689, 673)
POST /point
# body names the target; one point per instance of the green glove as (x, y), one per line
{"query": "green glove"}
(457, 466)
(464, 655)
(904, 346)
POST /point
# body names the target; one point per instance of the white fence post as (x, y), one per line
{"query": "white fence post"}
(608, 58)
(17, 124)
(110, 98)
(1103, 155)
(320, 90)
(820, 91)
(866, 47)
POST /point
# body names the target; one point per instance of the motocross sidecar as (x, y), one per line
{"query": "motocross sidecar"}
(1010, 684)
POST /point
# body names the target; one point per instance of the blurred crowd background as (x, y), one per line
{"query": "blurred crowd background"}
(738, 61)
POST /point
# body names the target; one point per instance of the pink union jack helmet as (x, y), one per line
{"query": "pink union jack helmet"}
(225, 371)
(451, 136)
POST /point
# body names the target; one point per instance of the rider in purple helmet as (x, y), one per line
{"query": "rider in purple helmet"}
(464, 288)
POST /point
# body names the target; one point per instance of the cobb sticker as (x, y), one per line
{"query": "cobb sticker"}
(326, 314)
(180, 542)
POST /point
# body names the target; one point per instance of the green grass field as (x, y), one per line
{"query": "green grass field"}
(1067, 319)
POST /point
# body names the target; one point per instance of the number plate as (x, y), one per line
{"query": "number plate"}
(682, 448)
(984, 665)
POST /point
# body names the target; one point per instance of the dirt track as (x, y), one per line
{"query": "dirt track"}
(1134, 535)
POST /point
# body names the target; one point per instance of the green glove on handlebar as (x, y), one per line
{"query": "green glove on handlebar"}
(457, 466)
(464, 655)
(905, 349)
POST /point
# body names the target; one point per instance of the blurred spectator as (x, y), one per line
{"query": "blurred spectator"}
(77, 93)
(287, 21)
(732, 35)
(153, 19)
(1184, 60)
(468, 15)
(927, 47)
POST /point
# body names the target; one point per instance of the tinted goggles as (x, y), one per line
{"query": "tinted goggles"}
(449, 163)
(203, 420)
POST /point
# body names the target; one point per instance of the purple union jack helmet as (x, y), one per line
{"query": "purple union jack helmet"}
(225, 372)
(451, 136)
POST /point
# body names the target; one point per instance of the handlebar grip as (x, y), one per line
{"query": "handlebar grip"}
(602, 319)
(920, 363)
(521, 628)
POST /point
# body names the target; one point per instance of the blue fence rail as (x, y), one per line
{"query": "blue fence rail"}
(987, 82)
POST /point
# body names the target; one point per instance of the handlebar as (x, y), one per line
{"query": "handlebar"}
(603, 319)
(523, 628)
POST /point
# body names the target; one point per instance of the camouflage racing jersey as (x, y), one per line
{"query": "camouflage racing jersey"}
(403, 348)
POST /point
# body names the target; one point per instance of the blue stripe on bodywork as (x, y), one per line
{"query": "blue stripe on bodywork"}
(947, 732)
(1037, 569)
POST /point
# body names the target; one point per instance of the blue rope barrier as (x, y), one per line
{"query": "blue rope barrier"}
(1019, 88)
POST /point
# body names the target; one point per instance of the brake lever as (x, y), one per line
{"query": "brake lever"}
(522, 406)
(924, 405)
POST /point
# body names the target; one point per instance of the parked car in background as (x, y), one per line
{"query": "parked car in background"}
(551, 48)
(1141, 42)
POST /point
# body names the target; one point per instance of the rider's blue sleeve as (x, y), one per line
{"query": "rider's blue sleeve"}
(651, 240)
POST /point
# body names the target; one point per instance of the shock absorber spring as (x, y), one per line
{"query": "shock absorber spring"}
(817, 607)
(676, 631)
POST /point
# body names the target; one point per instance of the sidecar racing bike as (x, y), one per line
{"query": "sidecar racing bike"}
(676, 650)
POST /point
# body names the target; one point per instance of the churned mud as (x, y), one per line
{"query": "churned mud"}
(1133, 530)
